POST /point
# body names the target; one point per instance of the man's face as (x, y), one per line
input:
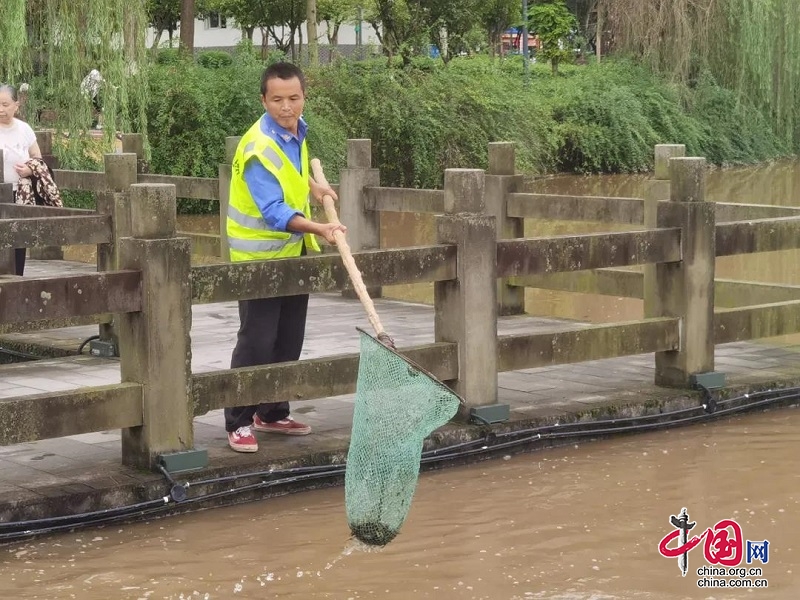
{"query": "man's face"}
(284, 102)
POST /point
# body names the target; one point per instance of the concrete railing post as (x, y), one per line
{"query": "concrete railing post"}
(120, 171)
(656, 191)
(7, 264)
(231, 144)
(466, 307)
(363, 226)
(117, 205)
(133, 143)
(155, 348)
(45, 141)
(685, 289)
(501, 180)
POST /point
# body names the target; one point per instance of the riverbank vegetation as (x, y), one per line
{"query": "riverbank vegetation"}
(429, 116)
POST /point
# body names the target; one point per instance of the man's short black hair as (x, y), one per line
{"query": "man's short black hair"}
(282, 70)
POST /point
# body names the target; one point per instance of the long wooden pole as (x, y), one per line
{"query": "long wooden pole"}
(347, 258)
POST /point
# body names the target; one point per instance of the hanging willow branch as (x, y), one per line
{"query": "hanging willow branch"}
(750, 46)
(53, 44)
(13, 42)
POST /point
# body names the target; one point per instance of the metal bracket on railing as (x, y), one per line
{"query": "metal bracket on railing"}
(488, 415)
(708, 382)
(185, 460)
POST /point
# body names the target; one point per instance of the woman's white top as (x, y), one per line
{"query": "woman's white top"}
(15, 142)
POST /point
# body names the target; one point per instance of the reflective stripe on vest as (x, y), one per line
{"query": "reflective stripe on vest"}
(267, 153)
(272, 157)
(235, 215)
(262, 245)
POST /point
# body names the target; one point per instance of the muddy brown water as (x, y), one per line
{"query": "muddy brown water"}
(581, 522)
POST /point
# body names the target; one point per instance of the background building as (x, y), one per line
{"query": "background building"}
(220, 33)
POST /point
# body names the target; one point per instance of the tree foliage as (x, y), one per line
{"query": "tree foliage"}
(53, 44)
(248, 14)
(335, 13)
(750, 46)
(450, 23)
(496, 16)
(400, 25)
(14, 57)
(279, 22)
(554, 24)
(163, 15)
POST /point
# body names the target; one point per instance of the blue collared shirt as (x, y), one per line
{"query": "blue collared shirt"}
(263, 185)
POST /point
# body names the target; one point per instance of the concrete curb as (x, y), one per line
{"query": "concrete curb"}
(141, 486)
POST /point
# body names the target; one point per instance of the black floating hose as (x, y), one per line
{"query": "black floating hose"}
(19, 354)
(492, 442)
(86, 341)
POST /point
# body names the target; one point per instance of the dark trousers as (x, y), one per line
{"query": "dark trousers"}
(19, 260)
(271, 330)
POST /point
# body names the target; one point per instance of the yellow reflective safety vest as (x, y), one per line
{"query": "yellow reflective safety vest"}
(249, 236)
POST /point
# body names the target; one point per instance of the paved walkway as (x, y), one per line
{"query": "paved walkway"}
(92, 461)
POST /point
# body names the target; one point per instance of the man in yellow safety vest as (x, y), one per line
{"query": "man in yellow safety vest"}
(269, 217)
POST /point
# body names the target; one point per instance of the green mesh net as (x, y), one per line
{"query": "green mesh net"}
(398, 404)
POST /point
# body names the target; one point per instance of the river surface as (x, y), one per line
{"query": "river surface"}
(581, 522)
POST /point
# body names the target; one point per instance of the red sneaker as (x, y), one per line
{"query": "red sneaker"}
(242, 440)
(287, 426)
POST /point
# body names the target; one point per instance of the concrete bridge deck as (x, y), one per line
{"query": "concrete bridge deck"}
(50, 472)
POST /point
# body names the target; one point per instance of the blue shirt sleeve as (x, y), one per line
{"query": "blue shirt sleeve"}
(268, 195)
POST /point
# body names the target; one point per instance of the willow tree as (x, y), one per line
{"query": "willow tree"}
(750, 46)
(53, 44)
(12, 38)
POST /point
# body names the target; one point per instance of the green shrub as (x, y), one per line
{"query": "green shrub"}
(422, 122)
(214, 59)
(610, 116)
(733, 132)
(75, 199)
(169, 56)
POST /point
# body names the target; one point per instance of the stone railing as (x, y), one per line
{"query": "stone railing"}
(148, 282)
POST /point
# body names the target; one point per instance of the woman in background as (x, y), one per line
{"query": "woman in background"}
(18, 143)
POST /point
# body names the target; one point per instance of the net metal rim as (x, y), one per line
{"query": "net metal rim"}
(417, 366)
